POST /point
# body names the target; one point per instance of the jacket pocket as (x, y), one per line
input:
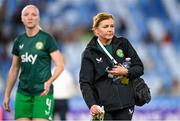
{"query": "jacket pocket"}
(108, 94)
(126, 94)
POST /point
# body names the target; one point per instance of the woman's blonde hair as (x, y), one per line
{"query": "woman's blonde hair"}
(100, 17)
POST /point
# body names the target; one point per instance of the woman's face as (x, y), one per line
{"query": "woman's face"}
(105, 30)
(30, 17)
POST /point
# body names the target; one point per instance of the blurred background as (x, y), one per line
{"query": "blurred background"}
(152, 26)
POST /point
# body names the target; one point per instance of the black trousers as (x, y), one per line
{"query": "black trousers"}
(61, 107)
(122, 114)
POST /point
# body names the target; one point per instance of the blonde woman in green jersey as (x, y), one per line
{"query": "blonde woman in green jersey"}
(32, 54)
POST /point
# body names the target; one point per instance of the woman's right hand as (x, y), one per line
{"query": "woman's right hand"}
(95, 109)
(6, 104)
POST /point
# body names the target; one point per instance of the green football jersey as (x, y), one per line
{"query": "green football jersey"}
(35, 64)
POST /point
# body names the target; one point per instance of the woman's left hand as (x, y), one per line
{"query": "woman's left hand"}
(118, 71)
(46, 88)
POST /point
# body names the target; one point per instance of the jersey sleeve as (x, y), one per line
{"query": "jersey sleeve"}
(51, 44)
(15, 49)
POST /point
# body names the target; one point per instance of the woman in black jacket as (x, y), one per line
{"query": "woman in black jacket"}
(101, 81)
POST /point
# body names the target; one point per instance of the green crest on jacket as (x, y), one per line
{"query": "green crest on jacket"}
(119, 52)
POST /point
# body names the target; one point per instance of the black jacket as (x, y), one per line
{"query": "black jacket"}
(95, 85)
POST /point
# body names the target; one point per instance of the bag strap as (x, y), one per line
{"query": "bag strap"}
(109, 55)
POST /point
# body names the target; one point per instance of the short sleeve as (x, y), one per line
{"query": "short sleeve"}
(15, 49)
(51, 44)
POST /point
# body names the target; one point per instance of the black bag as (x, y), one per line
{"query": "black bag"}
(141, 92)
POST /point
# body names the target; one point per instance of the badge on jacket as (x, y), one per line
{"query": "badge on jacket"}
(119, 52)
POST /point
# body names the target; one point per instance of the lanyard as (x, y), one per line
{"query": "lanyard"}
(109, 55)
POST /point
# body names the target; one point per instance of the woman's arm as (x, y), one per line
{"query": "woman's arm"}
(136, 69)
(12, 77)
(59, 63)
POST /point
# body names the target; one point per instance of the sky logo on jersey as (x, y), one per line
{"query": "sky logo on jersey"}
(28, 58)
